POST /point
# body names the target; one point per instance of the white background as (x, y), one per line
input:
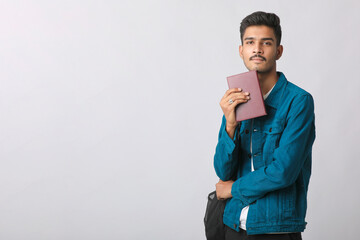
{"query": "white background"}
(109, 113)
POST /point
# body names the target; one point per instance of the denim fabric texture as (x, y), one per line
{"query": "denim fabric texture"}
(276, 191)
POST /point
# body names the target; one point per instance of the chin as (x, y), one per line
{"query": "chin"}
(252, 68)
(260, 69)
(263, 71)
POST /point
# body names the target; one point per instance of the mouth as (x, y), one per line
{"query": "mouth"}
(257, 60)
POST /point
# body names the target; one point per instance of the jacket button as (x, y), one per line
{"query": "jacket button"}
(246, 131)
(270, 129)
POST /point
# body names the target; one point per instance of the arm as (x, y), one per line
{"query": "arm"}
(226, 157)
(294, 147)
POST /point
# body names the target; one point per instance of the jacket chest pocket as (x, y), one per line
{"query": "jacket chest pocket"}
(272, 134)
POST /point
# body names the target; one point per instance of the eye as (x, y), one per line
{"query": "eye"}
(250, 42)
(267, 43)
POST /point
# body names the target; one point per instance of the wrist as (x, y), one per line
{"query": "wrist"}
(230, 127)
(231, 189)
(230, 131)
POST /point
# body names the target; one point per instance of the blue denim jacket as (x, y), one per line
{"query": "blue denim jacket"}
(281, 150)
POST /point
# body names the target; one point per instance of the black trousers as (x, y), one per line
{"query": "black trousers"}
(231, 234)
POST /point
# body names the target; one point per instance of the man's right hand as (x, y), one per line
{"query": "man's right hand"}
(229, 101)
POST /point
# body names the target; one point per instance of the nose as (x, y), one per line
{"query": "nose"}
(258, 49)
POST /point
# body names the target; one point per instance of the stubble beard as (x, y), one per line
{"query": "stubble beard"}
(259, 69)
(263, 71)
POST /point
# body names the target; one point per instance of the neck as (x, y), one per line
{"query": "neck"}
(267, 80)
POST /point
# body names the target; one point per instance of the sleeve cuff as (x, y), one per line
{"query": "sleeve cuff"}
(235, 192)
(229, 143)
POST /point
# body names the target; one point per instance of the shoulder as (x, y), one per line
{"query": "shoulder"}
(290, 91)
(296, 100)
(295, 94)
(295, 91)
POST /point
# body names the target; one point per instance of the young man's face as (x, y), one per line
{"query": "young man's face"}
(259, 50)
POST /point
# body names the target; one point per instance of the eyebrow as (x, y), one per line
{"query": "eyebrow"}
(264, 39)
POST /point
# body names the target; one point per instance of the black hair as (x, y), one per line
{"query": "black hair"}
(270, 20)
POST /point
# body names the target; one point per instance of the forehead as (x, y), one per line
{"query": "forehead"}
(259, 32)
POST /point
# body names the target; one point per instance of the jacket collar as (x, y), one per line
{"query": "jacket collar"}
(275, 96)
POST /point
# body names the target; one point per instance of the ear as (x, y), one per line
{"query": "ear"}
(240, 52)
(279, 52)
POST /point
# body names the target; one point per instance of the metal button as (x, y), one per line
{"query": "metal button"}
(255, 130)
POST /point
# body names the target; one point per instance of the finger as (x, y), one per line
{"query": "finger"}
(241, 97)
(218, 196)
(230, 105)
(230, 94)
(236, 102)
(236, 99)
(238, 94)
(231, 90)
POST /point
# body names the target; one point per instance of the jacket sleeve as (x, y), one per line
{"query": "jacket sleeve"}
(295, 146)
(226, 159)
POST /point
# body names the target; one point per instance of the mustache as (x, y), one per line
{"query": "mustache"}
(258, 56)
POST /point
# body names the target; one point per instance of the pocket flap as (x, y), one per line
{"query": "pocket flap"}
(275, 127)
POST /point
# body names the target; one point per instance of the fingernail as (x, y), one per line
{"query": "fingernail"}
(247, 93)
(239, 89)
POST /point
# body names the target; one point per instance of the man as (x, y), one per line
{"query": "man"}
(264, 164)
